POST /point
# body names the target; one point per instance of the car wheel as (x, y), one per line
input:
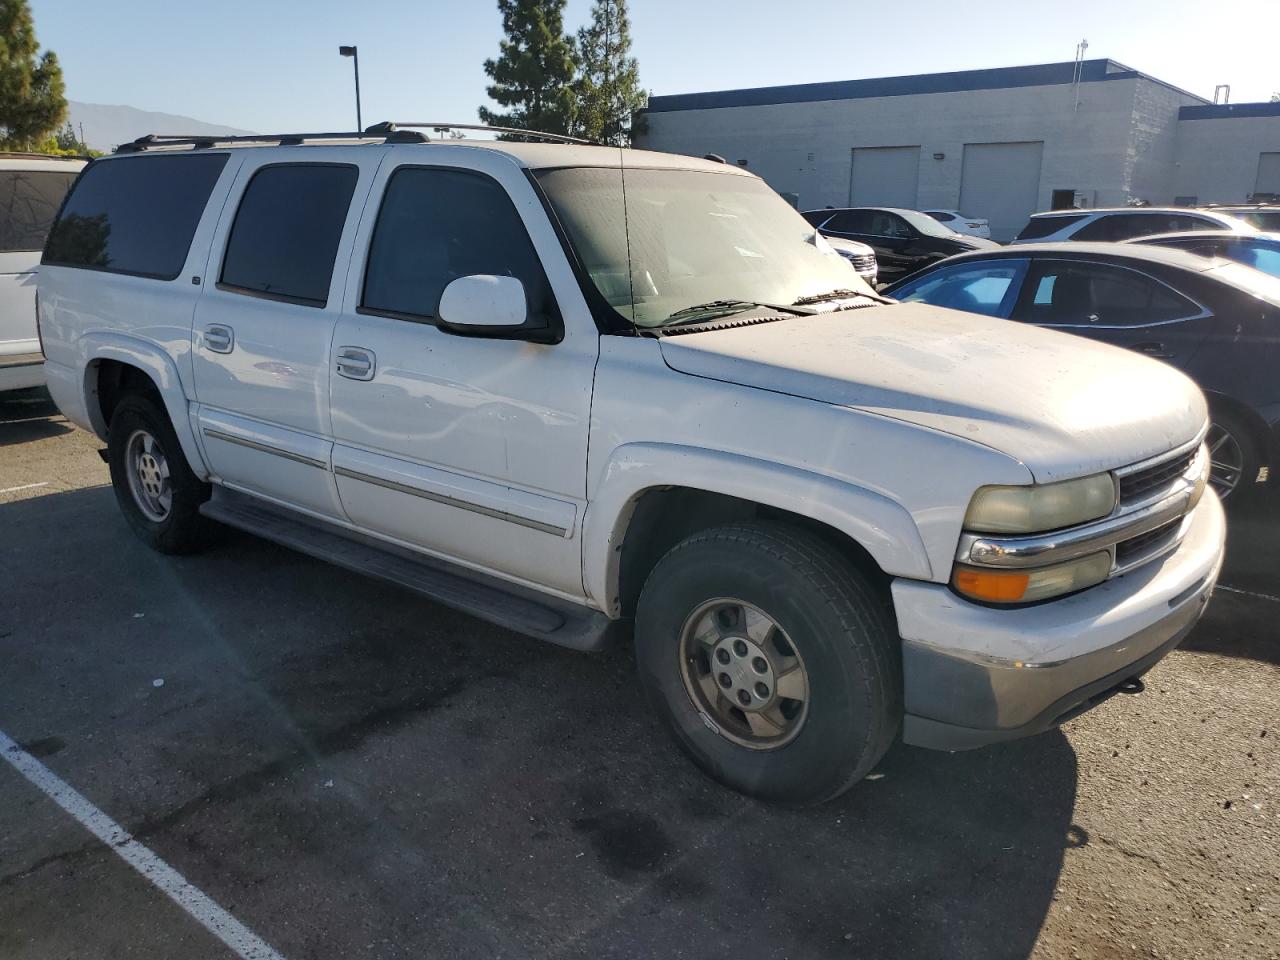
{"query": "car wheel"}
(154, 485)
(1235, 455)
(774, 660)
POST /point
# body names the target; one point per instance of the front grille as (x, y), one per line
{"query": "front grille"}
(1146, 482)
(864, 262)
(1147, 545)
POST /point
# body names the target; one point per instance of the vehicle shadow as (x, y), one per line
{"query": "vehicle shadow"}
(29, 415)
(534, 787)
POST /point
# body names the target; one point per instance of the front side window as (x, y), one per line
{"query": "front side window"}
(1038, 227)
(985, 288)
(134, 215)
(285, 236)
(1264, 258)
(677, 239)
(1095, 294)
(851, 221)
(29, 200)
(436, 225)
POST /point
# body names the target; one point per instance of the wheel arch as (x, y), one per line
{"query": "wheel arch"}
(1266, 437)
(651, 496)
(115, 365)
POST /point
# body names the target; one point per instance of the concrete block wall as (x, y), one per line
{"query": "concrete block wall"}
(1218, 158)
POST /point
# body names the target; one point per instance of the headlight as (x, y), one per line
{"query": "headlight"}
(1041, 507)
(1025, 586)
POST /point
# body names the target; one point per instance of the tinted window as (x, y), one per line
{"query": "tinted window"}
(851, 221)
(1085, 294)
(940, 216)
(817, 217)
(438, 225)
(977, 288)
(1261, 257)
(1039, 227)
(134, 215)
(29, 200)
(286, 232)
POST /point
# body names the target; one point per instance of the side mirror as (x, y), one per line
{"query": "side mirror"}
(488, 305)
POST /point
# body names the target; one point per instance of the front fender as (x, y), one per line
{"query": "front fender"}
(157, 364)
(884, 528)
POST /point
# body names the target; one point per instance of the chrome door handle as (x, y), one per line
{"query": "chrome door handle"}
(1153, 349)
(356, 363)
(219, 338)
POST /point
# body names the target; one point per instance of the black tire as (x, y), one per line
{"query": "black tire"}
(1251, 455)
(838, 620)
(182, 529)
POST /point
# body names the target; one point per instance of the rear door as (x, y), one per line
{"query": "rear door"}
(1119, 305)
(264, 323)
(29, 201)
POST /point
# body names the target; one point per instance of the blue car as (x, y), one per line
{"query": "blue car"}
(1259, 250)
(1216, 320)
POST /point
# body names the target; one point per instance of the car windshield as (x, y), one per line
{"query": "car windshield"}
(676, 240)
(925, 224)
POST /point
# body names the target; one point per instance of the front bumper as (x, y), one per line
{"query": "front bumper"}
(975, 675)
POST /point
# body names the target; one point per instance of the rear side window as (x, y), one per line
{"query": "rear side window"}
(437, 225)
(29, 200)
(1039, 227)
(286, 232)
(134, 215)
(1095, 294)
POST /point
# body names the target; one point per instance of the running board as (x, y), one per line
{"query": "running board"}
(478, 594)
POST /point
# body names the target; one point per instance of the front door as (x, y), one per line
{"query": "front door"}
(465, 447)
(264, 324)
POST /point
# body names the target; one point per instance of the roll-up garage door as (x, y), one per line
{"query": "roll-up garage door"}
(1001, 183)
(1268, 174)
(884, 177)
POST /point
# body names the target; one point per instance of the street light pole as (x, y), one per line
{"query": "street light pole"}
(354, 54)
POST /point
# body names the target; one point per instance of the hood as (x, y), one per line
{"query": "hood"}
(976, 243)
(1063, 405)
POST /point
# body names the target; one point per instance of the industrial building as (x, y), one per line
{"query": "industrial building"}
(999, 144)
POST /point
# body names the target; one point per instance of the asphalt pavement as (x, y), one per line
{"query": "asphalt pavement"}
(345, 770)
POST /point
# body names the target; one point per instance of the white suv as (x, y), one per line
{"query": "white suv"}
(32, 187)
(1123, 223)
(564, 387)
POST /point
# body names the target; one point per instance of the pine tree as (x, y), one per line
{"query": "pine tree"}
(533, 74)
(32, 101)
(608, 86)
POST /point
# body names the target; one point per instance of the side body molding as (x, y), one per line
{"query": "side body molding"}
(152, 360)
(884, 528)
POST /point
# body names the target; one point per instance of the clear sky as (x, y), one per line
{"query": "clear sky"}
(273, 65)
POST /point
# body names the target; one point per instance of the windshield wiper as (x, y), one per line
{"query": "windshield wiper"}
(721, 308)
(841, 294)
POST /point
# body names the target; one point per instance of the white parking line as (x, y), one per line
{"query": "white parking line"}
(242, 941)
(25, 486)
(1248, 593)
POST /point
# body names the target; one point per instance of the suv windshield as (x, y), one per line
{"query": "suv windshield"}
(678, 239)
(926, 224)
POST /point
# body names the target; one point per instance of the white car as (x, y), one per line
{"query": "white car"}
(31, 190)
(957, 221)
(862, 256)
(561, 406)
(1117, 224)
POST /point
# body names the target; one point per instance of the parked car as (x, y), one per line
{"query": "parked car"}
(1260, 251)
(904, 241)
(1123, 223)
(1218, 322)
(860, 255)
(957, 221)
(832, 518)
(31, 190)
(1264, 216)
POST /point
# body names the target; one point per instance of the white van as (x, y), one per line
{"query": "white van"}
(31, 190)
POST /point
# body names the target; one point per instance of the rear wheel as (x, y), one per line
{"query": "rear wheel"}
(1235, 455)
(157, 491)
(773, 659)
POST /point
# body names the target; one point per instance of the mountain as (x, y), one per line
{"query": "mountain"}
(107, 126)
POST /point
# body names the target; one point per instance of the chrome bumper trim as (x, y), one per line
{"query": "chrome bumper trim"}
(265, 448)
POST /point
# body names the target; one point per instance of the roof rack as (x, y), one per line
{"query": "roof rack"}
(385, 132)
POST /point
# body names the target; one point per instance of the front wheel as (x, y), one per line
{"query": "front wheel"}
(773, 659)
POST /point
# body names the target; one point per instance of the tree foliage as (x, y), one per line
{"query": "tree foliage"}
(608, 86)
(32, 98)
(534, 72)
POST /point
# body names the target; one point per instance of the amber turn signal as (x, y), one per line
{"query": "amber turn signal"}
(994, 586)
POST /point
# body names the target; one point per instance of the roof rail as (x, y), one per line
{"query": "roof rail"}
(445, 127)
(32, 155)
(386, 132)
